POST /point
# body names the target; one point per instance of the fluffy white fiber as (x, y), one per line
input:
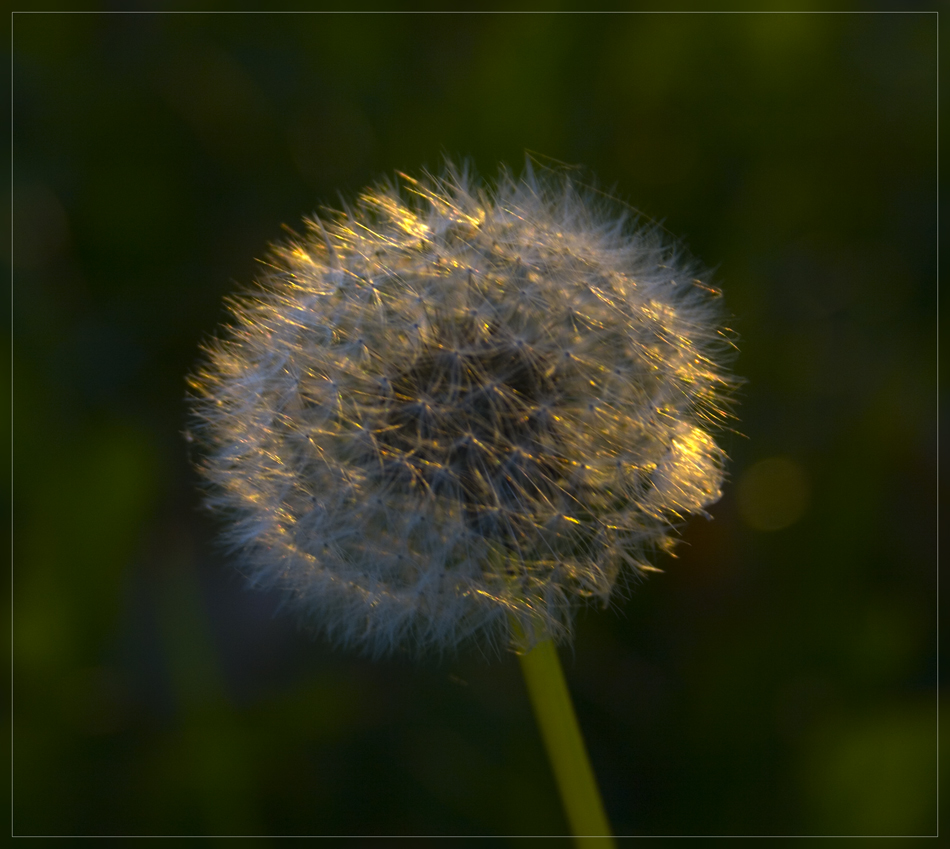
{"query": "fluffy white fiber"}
(455, 406)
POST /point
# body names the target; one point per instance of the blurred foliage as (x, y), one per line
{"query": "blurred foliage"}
(779, 678)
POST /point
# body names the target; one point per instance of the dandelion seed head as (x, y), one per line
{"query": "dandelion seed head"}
(455, 406)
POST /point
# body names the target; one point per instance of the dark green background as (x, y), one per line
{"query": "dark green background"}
(769, 682)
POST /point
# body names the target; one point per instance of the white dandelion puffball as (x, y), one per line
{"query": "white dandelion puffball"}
(457, 410)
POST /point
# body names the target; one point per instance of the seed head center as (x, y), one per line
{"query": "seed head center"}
(465, 424)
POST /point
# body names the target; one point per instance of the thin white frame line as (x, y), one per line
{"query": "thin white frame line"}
(934, 12)
(11, 422)
(473, 12)
(937, 490)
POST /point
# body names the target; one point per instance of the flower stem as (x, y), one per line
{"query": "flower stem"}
(562, 738)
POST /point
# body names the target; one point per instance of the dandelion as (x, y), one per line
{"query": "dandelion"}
(457, 411)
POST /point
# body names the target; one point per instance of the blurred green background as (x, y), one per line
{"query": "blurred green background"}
(779, 678)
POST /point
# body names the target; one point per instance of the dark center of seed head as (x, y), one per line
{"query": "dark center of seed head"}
(465, 423)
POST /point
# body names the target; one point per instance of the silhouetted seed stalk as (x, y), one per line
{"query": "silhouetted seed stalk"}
(456, 412)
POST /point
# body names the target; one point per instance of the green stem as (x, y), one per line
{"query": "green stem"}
(562, 738)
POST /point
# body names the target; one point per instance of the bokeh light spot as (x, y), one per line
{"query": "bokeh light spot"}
(773, 494)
